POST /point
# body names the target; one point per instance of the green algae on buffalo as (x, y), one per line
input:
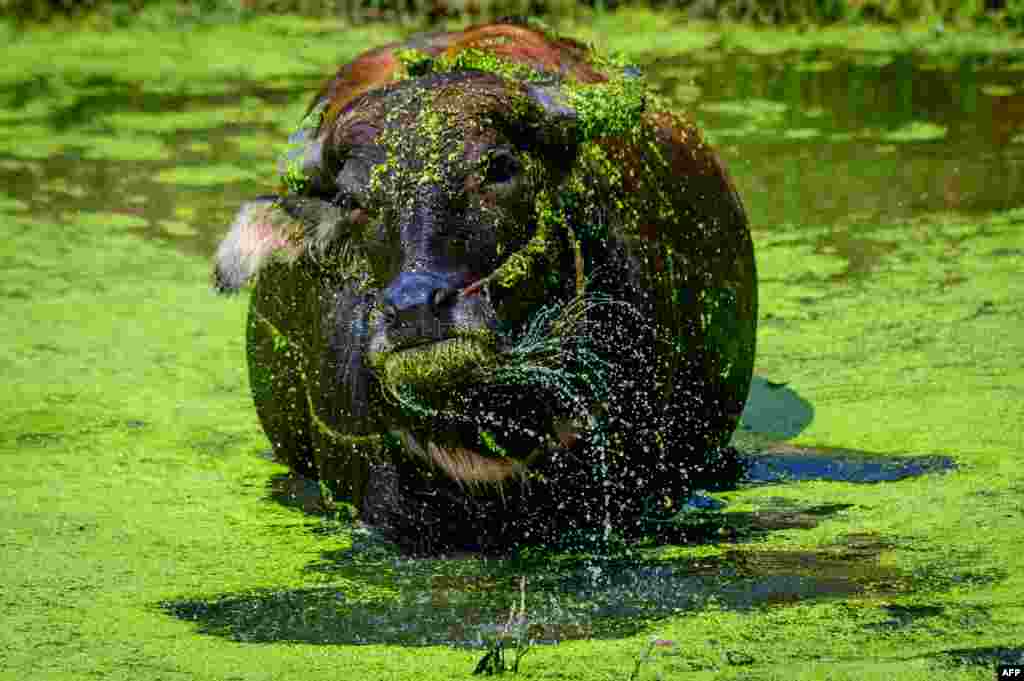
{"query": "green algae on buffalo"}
(503, 292)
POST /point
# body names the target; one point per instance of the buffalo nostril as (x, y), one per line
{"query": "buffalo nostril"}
(442, 297)
(390, 313)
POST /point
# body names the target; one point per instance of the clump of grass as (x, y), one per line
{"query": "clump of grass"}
(558, 357)
(405, 374)
(517, 628)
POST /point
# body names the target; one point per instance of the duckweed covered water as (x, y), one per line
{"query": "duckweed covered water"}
(145, 537)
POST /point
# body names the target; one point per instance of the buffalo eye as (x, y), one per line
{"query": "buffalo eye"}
(441, 298)
(345, 201)
(352, 181)
(390, 313)
(502, 168)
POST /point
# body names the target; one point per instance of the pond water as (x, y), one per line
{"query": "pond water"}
(837, 152)
(810, 139)
(874, 136)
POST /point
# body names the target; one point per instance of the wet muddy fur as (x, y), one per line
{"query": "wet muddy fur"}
(501, 294)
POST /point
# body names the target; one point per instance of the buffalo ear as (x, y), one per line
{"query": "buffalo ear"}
(259, 229)
(556, 121)
(584, 113)
(304, 167)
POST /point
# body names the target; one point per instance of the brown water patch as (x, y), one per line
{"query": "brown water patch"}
(38, 439)
(295, 491)
(905, 616)
(125, 424)
(215, 442)
(861, 254)
(697, 525)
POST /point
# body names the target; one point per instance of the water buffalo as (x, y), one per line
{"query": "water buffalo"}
(502, 292)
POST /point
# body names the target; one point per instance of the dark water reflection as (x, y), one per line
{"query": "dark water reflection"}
(816, 138)
(810, 138)
(464, 601)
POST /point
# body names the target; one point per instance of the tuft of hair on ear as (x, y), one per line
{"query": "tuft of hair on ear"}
(260, 229)
(322, 222)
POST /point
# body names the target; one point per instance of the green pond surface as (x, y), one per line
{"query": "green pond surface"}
(145, 533)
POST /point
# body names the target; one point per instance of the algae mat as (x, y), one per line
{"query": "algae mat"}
(144, 536)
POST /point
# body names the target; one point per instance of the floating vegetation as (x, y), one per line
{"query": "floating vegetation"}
(917, 131)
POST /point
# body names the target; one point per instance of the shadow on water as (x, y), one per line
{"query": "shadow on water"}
(775, 413)
(794, 464)
(463, 600)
